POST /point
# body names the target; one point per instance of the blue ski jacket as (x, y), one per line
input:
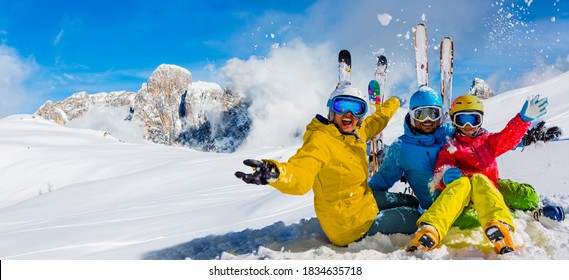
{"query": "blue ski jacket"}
(414, 156)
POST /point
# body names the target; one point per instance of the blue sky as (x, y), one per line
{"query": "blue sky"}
(52, 49)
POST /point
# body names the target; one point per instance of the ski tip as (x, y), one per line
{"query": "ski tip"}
(345, 56)
(421, 28)
(381, 60)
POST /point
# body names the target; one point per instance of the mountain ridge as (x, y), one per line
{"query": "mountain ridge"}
(169, 108)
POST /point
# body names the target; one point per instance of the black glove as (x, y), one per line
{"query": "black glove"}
(541, 133)
(552, 133)
(264, 172)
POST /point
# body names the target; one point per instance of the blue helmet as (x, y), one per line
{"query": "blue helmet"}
(425, 96)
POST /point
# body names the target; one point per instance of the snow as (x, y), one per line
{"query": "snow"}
(70, 193)
(384, 19)
(205, 86)
(105, 119)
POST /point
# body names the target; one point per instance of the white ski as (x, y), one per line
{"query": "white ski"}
(421, 50)
(447, 53)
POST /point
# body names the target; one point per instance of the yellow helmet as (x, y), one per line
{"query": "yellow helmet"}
(467, 102)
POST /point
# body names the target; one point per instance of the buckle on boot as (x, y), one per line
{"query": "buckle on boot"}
(425, 239)
(499, 235)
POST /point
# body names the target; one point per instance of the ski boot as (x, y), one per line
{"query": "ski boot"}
(499, 234)
(426, 238)
(555, 213)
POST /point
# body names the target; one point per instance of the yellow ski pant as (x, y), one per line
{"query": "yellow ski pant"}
(485, 198)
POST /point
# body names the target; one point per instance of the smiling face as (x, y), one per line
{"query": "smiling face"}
(469, 130)
(468, 122)
(346, 123)
(428, 126)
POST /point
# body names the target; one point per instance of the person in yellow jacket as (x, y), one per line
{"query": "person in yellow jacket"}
(333, 163)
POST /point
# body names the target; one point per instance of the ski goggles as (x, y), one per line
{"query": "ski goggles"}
(425, 113)
(462, 119)
(343, 104)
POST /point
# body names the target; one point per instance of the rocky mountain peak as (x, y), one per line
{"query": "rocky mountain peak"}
(62, 112)
(171, 108)
(481, 89)
(168, 78)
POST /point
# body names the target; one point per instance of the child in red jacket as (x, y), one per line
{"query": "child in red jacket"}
(467, 173)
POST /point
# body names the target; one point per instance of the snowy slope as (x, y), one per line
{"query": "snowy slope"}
(69, 193)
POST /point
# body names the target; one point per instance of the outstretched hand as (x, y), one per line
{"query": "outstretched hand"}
(534, 108)
(263, 172)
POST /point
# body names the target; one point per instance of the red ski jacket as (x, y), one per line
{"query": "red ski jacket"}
(477, 155)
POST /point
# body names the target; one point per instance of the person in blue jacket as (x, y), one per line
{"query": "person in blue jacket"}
(414, 154)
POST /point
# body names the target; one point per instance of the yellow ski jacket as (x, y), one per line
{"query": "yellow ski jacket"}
(335, 167)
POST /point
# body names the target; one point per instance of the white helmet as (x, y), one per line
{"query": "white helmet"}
(348, 91)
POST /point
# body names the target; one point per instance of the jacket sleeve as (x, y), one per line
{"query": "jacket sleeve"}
(375, 123)
(390, 171)
(509, 137)
(445, 160)
(296, 176)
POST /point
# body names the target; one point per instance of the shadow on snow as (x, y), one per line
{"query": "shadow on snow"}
(278, 236)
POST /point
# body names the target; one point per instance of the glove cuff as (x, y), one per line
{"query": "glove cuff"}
(272, 173)
(526, 118)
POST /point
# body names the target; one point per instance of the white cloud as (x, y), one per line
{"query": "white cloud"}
(58, 37)
(541, 72)
(286, 89)
(13, 72)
